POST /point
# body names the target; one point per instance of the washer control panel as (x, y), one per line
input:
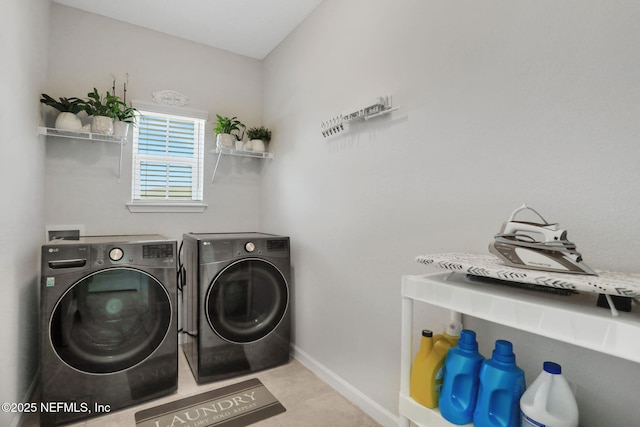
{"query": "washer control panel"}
(100, 252)
(128, 253)
(157, 251)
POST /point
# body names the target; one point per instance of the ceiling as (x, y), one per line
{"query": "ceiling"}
(247, 27)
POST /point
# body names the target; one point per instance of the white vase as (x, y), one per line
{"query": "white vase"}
(257, 145)
(102, 125)
(68, 121)
(225, 140)
(120, 129)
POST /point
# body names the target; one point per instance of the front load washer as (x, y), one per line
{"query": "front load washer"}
(108, 324)
(235, 303)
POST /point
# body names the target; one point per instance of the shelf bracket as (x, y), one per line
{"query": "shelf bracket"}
(215, 168)
(239, 153)
(120, 162)
(88, 136)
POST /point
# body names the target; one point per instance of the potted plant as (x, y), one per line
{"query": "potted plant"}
(224, 130)
(259, 137)
(68, 109)
(104, 110)
(125, 117)
(127, 114)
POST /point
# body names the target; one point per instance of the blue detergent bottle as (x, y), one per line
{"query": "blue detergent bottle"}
(461, 380)
(502, 384)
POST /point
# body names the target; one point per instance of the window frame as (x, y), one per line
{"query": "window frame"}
(165, 205)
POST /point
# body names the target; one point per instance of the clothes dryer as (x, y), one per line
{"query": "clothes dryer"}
(108, 324)
(235, 303)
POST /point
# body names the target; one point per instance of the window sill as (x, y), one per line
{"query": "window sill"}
(146, 207)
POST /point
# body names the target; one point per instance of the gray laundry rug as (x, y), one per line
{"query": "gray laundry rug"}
(236, 405)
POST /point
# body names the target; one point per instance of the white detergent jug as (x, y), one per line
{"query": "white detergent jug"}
(549, 402)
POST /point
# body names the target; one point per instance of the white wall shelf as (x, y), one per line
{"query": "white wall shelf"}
(88, 136)
(571, 319)
(80, 135)
(240, 153)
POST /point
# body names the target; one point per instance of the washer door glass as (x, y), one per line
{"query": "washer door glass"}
(110, 320)
(247, 300)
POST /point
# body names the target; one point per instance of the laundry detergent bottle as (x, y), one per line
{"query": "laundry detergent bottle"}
(461, 380)
(549, 402)
(428, 367)
(418, 386)
(502, 384)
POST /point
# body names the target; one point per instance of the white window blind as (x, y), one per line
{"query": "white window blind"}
(168, 155)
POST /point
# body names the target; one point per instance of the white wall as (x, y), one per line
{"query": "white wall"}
(502, 103)
(23, 46)
(81, 178)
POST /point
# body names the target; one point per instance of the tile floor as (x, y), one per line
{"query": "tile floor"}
(309, 401)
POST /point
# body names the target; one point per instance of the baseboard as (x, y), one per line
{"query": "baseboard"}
(361, 400)
(28, 398)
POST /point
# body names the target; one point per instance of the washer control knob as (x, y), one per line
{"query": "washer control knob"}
(116, 254)
(249, 247)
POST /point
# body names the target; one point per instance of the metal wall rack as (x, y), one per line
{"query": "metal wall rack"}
(340, 123)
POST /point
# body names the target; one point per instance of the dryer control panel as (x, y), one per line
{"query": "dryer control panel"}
(227, 249)
(221, 247)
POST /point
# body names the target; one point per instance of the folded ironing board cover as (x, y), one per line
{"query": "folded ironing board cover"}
(606, 282)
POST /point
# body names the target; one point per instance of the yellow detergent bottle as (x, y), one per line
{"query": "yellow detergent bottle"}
(418, 386)
(427, 371)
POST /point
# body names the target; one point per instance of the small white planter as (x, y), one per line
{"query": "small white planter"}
(225, 140)
(258, 145)
(68, 121)
(102, 125)
(120, 129)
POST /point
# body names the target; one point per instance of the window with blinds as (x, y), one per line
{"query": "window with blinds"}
(168, 154)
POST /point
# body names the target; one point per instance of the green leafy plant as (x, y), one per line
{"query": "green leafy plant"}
(127, 114)
(229, 125)
(64, 105)
(109, 105)
(259, 133)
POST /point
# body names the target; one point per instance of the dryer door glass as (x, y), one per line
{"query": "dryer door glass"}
(247, 300)
(110, 320)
